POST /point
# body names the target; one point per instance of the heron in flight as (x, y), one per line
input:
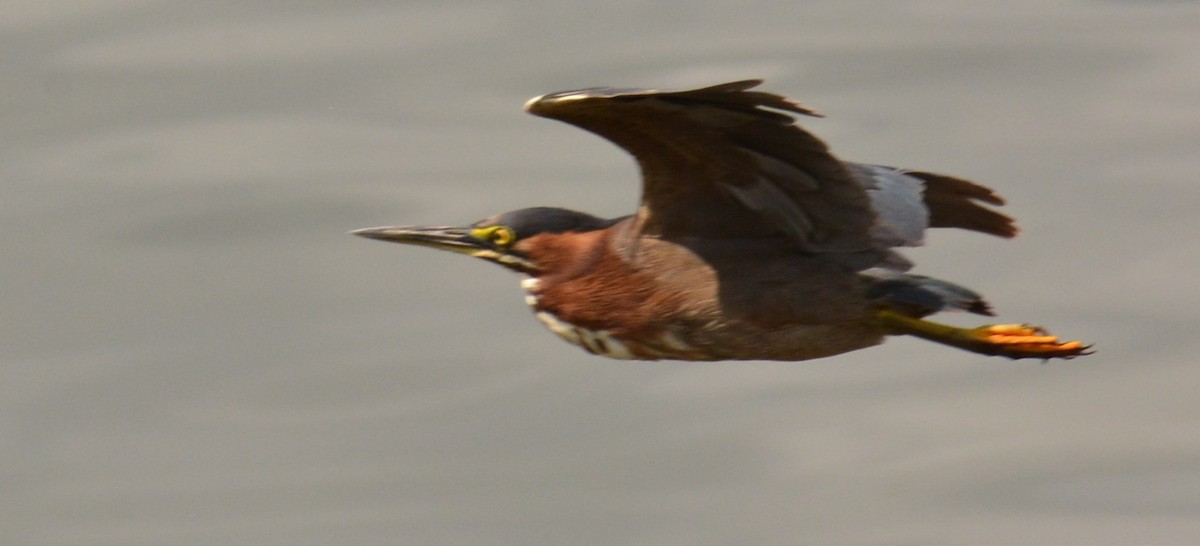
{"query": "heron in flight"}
(751, 241)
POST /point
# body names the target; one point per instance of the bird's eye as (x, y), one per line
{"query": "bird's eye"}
(497, 235)
(503, 236)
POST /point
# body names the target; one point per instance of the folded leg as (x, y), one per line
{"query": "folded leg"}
(1009, 340)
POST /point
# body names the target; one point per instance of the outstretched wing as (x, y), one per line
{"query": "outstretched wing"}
(725, 161)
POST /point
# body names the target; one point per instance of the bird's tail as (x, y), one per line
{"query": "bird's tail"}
(918, 295)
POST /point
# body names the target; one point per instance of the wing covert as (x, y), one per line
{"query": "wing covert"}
(725, 161)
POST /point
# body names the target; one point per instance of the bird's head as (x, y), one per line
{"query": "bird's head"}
(524, 240)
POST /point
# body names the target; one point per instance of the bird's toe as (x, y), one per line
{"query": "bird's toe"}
(1027, 341)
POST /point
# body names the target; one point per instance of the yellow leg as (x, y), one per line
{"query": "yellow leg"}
(1010, 340)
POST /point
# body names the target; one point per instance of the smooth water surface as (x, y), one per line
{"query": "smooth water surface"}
(196, 353)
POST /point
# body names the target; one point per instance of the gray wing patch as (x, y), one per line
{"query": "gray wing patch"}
(898, 200)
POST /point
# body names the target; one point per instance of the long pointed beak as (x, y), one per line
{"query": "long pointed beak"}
(454, 239)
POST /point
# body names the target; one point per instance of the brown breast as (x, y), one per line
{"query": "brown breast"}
(667, 301)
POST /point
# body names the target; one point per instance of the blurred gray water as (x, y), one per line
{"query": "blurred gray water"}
(195, 352)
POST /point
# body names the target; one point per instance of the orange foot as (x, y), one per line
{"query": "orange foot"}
(1024, 341)
(1009, 340)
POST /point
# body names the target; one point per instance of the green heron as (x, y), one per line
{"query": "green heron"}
(751, 242)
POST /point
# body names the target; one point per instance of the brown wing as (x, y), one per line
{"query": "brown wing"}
(953, 202)
(724, 161)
